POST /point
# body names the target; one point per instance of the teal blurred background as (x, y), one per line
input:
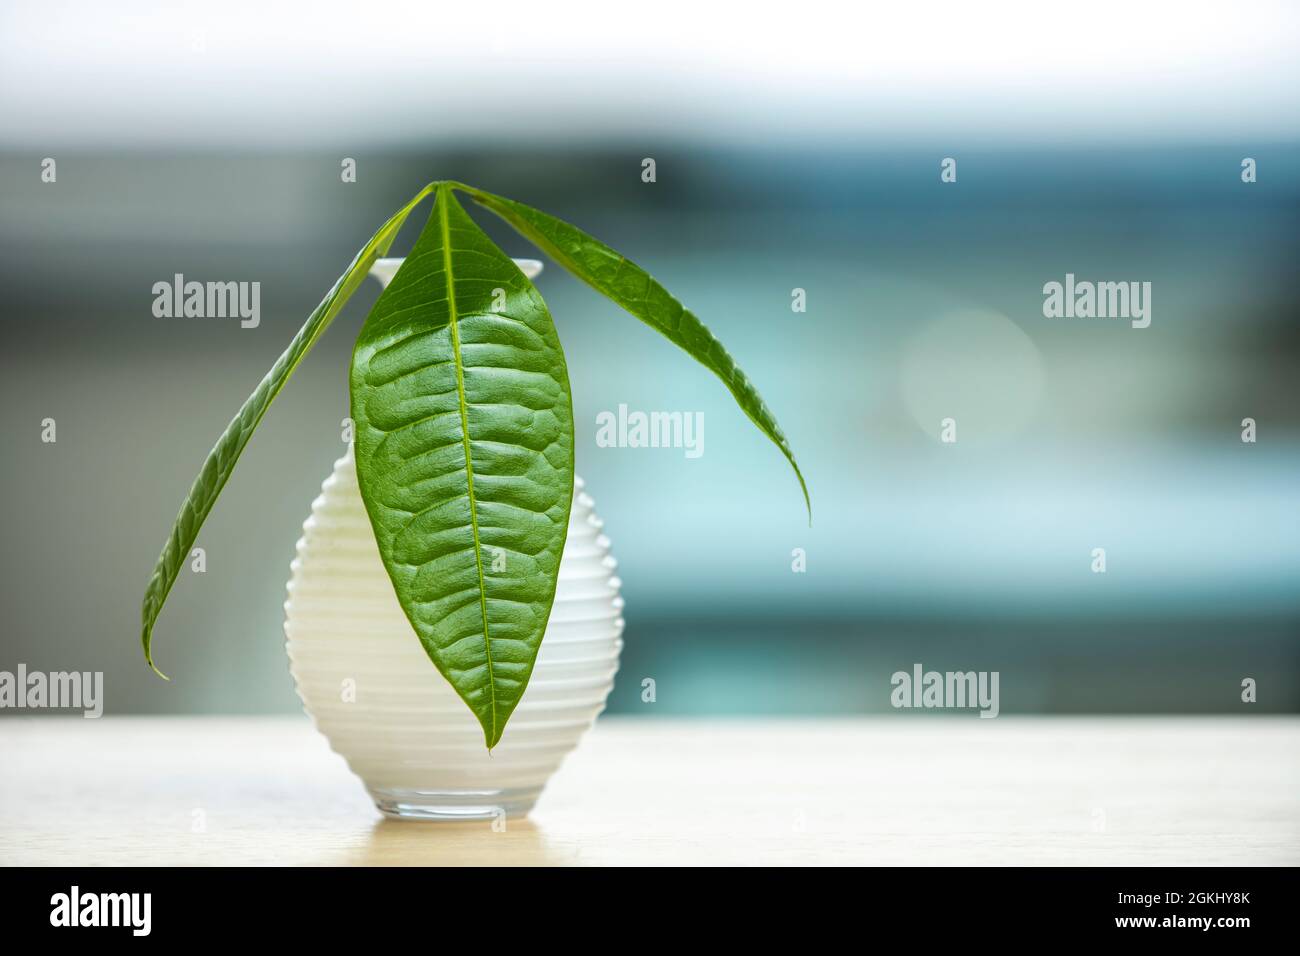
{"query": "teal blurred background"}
(924, 301)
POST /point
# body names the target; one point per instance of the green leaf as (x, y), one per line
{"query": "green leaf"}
(464, 449)
(221, 460)
(628, 285)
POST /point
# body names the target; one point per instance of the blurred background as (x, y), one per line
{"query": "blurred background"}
(791, 151)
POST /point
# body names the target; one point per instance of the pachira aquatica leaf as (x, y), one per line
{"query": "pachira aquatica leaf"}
(464, 448)
(221, 460)
(464, 434)
(628, 285)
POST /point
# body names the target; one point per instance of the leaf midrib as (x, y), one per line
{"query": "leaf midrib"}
(444, 224)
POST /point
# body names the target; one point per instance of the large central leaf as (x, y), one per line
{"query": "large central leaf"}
(464, 450)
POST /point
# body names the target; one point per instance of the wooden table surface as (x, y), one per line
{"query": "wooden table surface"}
(138, 790)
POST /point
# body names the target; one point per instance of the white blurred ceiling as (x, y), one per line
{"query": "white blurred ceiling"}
(247, 75)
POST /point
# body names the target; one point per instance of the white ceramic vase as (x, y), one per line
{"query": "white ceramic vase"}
(373, 692)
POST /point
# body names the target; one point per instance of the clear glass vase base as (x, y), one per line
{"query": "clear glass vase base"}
(452, 805)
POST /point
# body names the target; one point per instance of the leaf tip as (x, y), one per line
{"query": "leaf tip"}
(154, 667)
(803, 485)
(148, 654)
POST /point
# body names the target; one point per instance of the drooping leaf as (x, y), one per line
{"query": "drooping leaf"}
(628, 285)
(464, 452)
(221, 460)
